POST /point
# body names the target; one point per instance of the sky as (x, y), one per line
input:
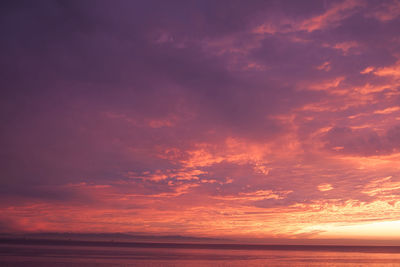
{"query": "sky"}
(256, 119)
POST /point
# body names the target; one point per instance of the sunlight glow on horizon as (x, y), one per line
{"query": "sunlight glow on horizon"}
(383, 230)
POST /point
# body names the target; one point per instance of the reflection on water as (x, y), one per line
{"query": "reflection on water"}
(60, 256)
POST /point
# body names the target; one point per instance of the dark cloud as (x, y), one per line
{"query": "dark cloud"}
(363, 142)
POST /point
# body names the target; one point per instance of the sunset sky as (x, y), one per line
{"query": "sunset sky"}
(247, 119)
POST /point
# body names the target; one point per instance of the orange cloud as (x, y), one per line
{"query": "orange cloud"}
(387, 110)
(391, 71)
(325, 66)
(332, 16)
(325, 187)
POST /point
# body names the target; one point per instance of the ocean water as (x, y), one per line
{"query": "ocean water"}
(100, 256)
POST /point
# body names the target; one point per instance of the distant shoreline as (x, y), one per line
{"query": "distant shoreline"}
(332, 248)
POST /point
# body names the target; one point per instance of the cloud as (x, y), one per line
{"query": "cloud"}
(324, 187)
(208, 118)
(388, 11)
(331, 17)
(382, 186)
(391, 71)
(364, 142)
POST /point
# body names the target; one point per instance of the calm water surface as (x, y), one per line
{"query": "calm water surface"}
(45, 255)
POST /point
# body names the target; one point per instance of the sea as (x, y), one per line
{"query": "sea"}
(100, 254)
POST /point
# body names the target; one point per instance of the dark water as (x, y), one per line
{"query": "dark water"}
(56, 254)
